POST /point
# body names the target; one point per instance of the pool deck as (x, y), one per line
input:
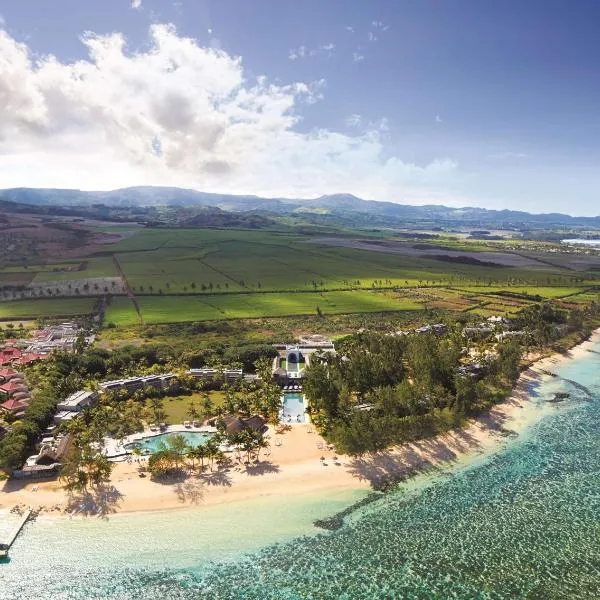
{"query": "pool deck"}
(115, 449)
(292, 421)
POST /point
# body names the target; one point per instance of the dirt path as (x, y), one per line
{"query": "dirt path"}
(128, 288)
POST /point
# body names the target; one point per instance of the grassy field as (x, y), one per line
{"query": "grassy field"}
(543, 291)
(174, 309)
(46, 307)
(176, 407)
(92, 267)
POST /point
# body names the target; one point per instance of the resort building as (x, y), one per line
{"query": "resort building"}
(6, 374)
(212, 373)
(57, 337)
(135, 383)
(13, 407)
(436, 328)
(47, 462)
(509, 334)
(65, 415)
(11, 355)
(78, 401)
(235, 424)
(8, 389)
(294, 358)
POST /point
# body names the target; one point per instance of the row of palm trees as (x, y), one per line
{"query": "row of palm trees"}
(176, 454)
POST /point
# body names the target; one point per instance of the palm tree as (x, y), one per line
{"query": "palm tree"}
(261, 444)
(192, 411)
(212, 450)
(201, 452)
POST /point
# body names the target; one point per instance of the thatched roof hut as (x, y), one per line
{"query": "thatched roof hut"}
(235, 424)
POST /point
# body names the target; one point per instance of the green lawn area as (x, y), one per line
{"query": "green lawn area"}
(173, 309)
(46, 307)
(176, 407)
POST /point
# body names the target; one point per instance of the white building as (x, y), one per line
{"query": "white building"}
(78, 401)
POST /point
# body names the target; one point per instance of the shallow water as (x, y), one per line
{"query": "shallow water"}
(522, 523)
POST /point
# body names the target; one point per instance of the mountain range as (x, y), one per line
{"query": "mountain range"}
(332, 210)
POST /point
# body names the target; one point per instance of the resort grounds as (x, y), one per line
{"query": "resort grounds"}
(293, 465)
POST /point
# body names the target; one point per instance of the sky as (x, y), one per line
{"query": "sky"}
(462, 103)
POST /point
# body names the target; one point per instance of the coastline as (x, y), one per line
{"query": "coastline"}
(295, 468)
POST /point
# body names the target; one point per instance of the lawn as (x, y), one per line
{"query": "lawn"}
(176, 407)
(173, 309)
(46, 307)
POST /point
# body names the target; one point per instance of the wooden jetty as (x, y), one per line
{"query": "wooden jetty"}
(5, 545)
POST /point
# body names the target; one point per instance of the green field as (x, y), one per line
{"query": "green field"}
(46, 307)
(543, 291)
(174, 309)
(176, 407)
(183, 275)
(91, 267)
(212, 261)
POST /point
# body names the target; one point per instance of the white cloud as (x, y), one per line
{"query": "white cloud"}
(303, 51)
(349, 28)
(2, 21)
(380, 25)
(296, 53)
(357, 57)
(372, 37)
(175, 113)
(137, 4)
(438, 119)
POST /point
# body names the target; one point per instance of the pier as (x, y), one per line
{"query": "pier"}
(5, 545)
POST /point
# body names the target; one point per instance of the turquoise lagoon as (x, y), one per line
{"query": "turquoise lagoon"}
(522, 522)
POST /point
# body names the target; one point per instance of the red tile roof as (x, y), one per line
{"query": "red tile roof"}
(12, 386)
(27, 359)
(7, 373)
(12, 405)
(9, 349)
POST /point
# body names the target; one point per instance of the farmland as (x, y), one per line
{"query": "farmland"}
(46, 307)
(179, 275)
(174, 309)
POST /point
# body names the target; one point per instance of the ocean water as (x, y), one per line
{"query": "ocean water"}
(523, 522)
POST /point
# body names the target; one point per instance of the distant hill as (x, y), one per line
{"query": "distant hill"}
(334, 210)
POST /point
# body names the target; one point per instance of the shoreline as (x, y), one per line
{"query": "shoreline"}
(294, 467)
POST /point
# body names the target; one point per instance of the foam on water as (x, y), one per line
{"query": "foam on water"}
(522, 523)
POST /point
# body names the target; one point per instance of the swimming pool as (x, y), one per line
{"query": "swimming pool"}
(153, 443)
(292, 410)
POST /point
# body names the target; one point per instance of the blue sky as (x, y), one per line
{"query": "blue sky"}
(490, 104)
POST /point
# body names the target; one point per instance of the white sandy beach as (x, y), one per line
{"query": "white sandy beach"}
(294, 467)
